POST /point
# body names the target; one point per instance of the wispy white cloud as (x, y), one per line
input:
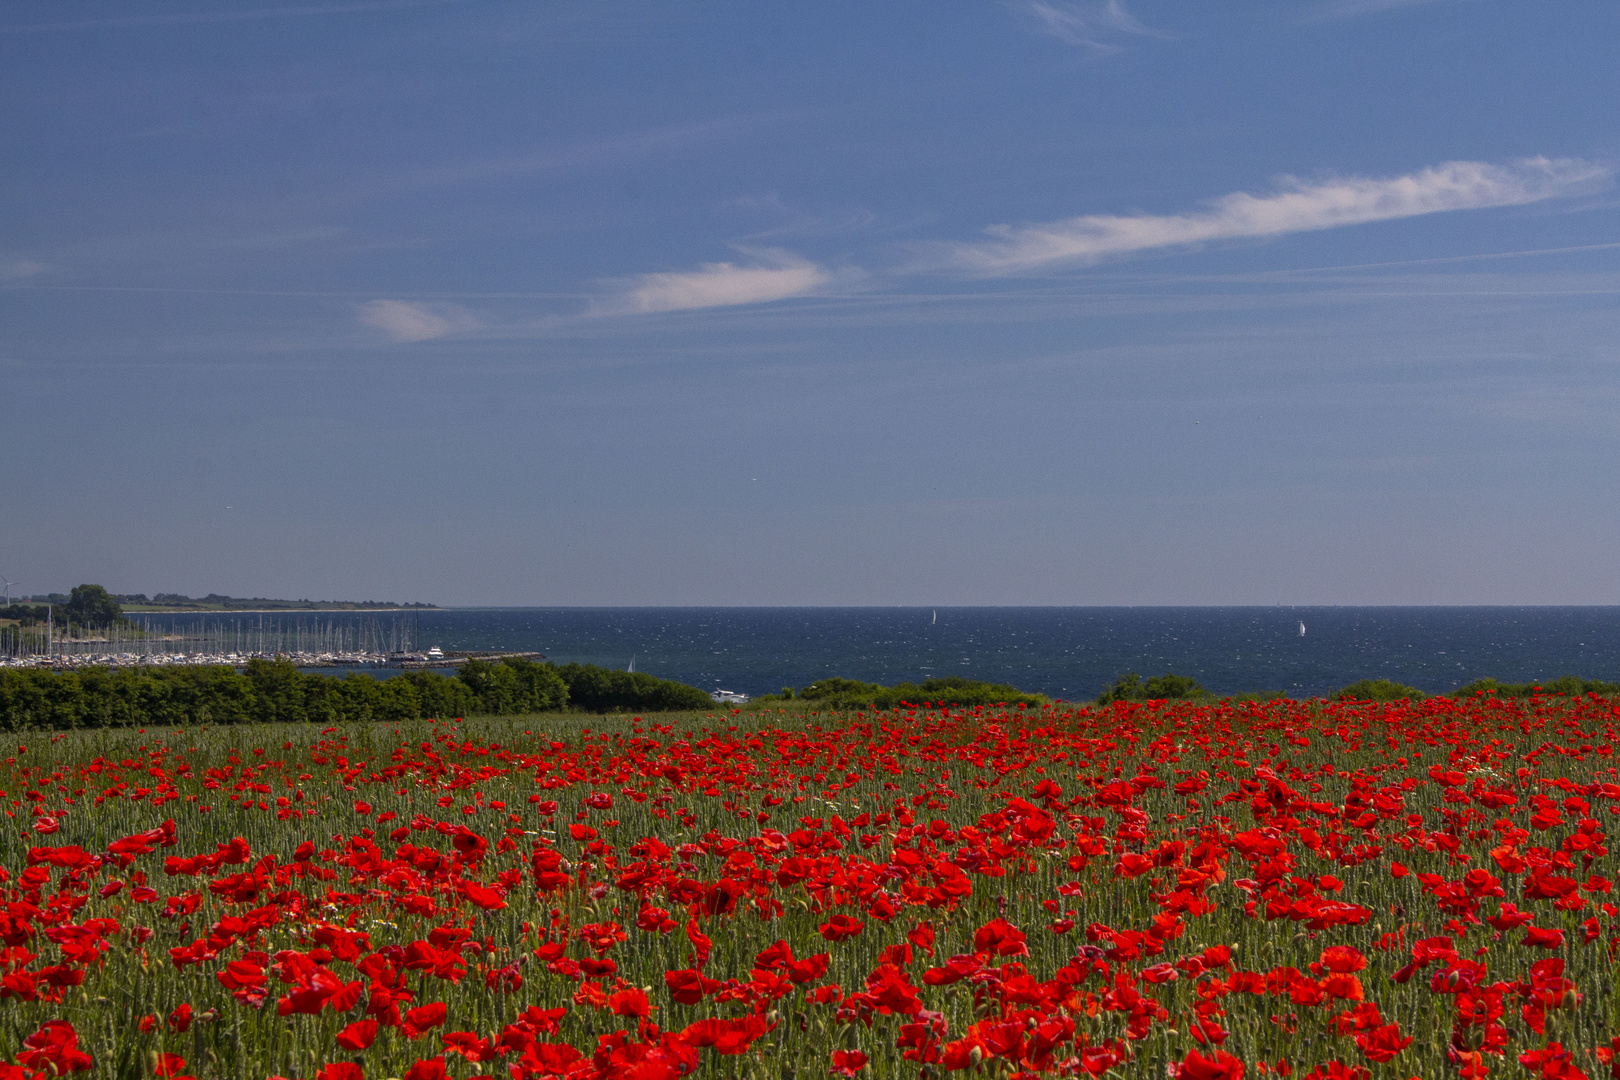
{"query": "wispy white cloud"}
(791, 220)
(1092, 26)
(773, 274)
(18, 269)
(1350, 9)
(404, 321)
(1296, 206)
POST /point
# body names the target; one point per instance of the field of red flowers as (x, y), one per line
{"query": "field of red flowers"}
(1204, 892)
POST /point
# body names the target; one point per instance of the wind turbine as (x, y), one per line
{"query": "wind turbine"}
(9, 584)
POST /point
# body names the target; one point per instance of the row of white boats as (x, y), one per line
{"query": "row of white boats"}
(428, 658)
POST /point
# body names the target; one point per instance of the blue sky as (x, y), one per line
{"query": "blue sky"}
(1028, 302)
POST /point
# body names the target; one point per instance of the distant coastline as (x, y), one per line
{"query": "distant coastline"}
(180, 604)
(137, 609)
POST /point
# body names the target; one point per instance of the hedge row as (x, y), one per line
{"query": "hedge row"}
(836, 693)
(274, 691)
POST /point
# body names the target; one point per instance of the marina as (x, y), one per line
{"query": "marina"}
(358, 642)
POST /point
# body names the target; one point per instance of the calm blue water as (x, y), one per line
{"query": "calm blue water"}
(1069, 653)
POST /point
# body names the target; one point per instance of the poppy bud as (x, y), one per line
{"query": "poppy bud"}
(976, 1055)
(1470, 1038)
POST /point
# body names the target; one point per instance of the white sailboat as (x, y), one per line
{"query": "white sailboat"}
(1301, 629)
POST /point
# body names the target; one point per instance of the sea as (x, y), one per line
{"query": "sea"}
(1069, 653)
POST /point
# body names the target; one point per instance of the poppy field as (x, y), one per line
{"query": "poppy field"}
(1200, 891)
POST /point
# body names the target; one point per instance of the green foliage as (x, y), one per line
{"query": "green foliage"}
(89, 606)
(833, 692)
(1258, 695)
(1378, 690)
(1565, 686)
(92, 605)
(27, 614)
(275, 691)
(1166, 687)
(514, 685)
(601, 690)
(837, 693)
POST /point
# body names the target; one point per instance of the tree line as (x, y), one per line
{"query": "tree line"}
(275, 691)
(88, 606)
(1173, 687)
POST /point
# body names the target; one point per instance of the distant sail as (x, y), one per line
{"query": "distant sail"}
(936, 619)
(1301, 629)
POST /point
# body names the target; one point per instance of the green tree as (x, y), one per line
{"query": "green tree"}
(278, 691)
(92, 605)
(603, 690)
(512, 686)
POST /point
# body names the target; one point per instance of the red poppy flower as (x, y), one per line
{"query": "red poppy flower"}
(840, 927)
(689, 987)
(847, 1062)
(1552, 1062)
(1543, 938)
(998, 937)
(1222, 1066)
(1381, 1044)
(420, 1020)
(358, 1035)
(168, 1065)
(630, 1002)
(470, 1046)
(725, 1036)
(809, 969)
(1343, 959)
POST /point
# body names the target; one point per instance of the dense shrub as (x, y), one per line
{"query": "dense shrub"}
(506, 687)
(836, 693)
(600, 690)
(1566, 686)
(1378, 690)
(1166, 687)
(275, 691)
